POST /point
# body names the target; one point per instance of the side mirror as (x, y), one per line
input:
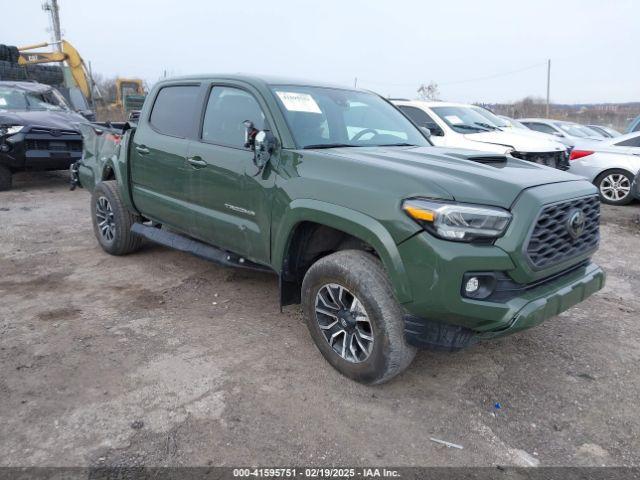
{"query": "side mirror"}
(558, 134)
(264, 144)
(426, 131)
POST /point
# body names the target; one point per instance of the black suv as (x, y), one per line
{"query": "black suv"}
(38, 131)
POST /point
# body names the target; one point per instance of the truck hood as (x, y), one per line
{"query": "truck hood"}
(522, 142)
(62, 120)
(461, 175)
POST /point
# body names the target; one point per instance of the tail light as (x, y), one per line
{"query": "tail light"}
(576, 154)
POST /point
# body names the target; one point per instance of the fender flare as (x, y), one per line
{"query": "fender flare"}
(120, 165)
(349, 221)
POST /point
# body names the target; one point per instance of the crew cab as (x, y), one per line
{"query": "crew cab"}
(388, 243)
(38, 131)
(456, 125)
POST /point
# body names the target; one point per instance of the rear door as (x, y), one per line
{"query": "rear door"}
(160, 174)
(231, 200)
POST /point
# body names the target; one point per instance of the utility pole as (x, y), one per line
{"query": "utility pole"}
(548, 84)
(54, 11)
(355, 82)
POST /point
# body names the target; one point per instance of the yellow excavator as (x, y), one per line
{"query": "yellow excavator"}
(75, 75)
(129, 94)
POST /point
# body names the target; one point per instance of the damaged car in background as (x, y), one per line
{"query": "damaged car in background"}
(455, 125)
(38, 130)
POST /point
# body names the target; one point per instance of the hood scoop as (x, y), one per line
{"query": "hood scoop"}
(493, 160)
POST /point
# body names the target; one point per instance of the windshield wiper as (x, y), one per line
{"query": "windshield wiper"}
(470, 127)
(396, 145)
(330, 145)
(487, 125)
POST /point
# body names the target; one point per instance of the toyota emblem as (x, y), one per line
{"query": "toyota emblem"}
(575, 223)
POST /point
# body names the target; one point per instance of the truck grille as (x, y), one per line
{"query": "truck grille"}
(552, 240)
(54, 145)
(558, 160)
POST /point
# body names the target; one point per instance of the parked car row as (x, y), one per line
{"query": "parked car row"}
(41, 133)
(602, 155)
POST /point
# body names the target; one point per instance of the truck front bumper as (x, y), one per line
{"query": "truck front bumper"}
(441, 316)
(28, 151)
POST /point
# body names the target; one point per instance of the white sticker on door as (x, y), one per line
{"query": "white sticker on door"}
(299, 102)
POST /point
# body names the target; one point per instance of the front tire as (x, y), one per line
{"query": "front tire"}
(112, 221)
(614, 187)
(5, 178)
(354, 318)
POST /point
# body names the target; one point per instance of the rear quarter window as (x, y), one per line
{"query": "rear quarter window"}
(629, 142)
(175, 110)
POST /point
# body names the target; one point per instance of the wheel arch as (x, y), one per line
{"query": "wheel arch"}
(306, 215)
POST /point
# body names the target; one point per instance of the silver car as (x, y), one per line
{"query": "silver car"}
(566, 132)
(607, 132)
(610, 164)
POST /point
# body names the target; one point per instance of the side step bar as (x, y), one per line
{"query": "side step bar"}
(199, 249)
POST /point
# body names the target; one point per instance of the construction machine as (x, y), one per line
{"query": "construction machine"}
(76, 73)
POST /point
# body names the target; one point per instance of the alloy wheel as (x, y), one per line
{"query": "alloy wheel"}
(105, 218)
(615, 187)
(344, 323)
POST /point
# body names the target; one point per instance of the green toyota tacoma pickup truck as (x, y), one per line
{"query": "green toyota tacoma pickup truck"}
(390, 244)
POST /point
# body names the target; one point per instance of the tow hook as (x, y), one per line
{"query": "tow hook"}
(75, 180)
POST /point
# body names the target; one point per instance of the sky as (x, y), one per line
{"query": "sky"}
(476, 51)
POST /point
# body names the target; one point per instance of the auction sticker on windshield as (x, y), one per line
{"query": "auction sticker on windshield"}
(299, 102)
(454, 119)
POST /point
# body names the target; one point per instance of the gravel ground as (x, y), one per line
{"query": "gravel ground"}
(160, 358)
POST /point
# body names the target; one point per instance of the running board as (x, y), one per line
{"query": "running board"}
(194, 247)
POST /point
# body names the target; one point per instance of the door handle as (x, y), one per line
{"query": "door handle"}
(197, 162)
(142, 150)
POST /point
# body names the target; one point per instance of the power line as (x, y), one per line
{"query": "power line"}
(488, 77)
(456, 82)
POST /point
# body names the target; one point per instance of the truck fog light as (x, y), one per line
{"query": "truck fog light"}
(478, 285)
(472, 285)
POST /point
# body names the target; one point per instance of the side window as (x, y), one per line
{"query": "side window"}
(227, 109)
(175, 110)
(540, 127)
(421, 118)
(629, 142)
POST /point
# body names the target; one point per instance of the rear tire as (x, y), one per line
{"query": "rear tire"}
(112, 221)
(350, 291)
(614, 187)
(5, 178)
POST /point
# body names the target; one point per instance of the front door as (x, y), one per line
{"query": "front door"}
(232, 204)
(160, 175)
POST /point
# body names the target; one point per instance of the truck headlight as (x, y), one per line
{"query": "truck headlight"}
(458, 221)
(14, 129)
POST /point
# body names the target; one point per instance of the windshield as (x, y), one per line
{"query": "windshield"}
(16, 99)
(592, 132)
(464, 119)
(492, 117)
(574, 130)
(329, 117)
(514, 123)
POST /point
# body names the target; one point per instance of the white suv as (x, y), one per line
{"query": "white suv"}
(468, 126)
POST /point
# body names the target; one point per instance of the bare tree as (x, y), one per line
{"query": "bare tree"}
(429, 92)
(106, 86)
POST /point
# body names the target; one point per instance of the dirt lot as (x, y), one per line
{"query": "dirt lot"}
(160, 358)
